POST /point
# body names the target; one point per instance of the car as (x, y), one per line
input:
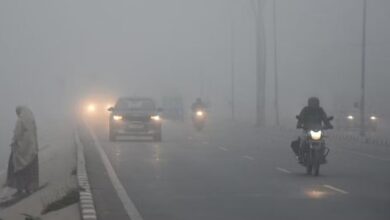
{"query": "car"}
(134, 116)
(95, 106)
(351, 122)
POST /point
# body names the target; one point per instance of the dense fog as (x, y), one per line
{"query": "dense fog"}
(55, 53)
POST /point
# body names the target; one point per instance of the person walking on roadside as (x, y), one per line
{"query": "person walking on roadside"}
(23, 166)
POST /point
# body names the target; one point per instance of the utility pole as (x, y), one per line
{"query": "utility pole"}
(276, 73)
(260, 65)
(233, 86)
(202, 85)
(363, 76)
(232, 63)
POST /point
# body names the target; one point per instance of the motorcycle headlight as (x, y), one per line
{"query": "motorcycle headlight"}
(199, 113)
(316, 135)
(117, 117)
(156, 118)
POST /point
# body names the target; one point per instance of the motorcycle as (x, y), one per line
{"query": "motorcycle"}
(313, 150)
(199, 119)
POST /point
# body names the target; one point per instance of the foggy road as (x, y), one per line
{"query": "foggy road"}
(236, 172)
(134, 66)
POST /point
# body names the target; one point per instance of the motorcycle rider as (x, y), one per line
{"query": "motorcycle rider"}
(311, 116)
(198, 105)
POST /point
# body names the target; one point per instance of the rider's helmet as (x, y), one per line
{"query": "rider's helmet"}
(313, 102)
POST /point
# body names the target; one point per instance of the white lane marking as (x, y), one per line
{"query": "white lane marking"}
(283, 170)
(365, 155)
(223, 149)
(128, 204)
(335, 189)
(89, 211)
(248, 157)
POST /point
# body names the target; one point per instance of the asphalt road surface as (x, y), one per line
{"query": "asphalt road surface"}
(236, 172)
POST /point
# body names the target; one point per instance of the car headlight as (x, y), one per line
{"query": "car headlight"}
(350, 117)
(373, 118)
(117, 117)
(91, 108)
(156, 118)
(199, 113)
(316, 135)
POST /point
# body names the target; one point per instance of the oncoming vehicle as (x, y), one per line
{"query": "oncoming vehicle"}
(199, 119)
(198, 114)
(95, 107)
(135, 117)
(352, 122)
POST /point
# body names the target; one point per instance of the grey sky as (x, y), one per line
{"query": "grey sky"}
(54, 51)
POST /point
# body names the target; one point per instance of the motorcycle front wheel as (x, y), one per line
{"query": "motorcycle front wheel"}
(309, 163)
(316, 162)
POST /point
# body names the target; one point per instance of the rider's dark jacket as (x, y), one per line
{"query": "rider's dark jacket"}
(197, 106)
(313, 118)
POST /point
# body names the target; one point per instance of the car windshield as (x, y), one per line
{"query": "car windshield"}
(136, 104)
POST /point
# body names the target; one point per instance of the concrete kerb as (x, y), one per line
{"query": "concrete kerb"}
(367, 140)
(87, 207)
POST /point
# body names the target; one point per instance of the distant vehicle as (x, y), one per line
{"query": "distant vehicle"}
(135, 117)
(198, 109)
(351, 122)
(96, 107)
(199, 119)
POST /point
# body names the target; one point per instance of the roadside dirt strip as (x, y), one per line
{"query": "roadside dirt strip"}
(87, 206)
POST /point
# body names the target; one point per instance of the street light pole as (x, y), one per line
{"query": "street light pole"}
(233, 87)
(260, 66)
(232, 63)
(363, 76)
(276, 74)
